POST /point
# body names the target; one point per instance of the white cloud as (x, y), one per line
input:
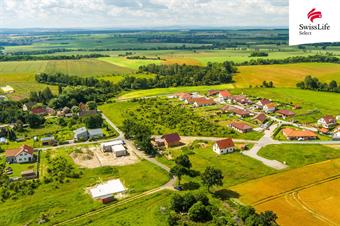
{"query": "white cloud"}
(142, 13)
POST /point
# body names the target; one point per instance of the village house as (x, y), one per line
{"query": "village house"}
(223, 95)
(261, 103)
(237, 111)
(171, 140)
(260, 118)
(201, 102)
(269, 108)
(23, 154)
(39, 111)
(293, 134)
(183, 96)
(224, 146)
(240, 127)
(106, 191)
(95, 133)
(327, 121)
(239, 99)
(213, 92)
(50, 111)
(81, 134)
(285, 113)
(324, 131)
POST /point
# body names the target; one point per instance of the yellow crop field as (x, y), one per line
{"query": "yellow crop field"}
(299, 197)
(285, 75)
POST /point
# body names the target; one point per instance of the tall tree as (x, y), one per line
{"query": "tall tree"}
(212, 177)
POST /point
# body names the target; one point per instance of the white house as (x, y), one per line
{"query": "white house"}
(336, 134)
(23, 154)
(224, 146)
(269, 108)
(327, 122)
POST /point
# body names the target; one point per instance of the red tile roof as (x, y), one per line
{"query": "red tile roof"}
(226, 143)
(235, 110)
(204, 101)
(264, 102)
(261, 117)
(289, 132)
(170, 138)
(39, 110)
(240, 125)
(285, 112)
(15, 152)
(329, 119)
(225, 93)
(213, 92)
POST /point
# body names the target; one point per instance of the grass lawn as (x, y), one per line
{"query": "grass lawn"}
(18, 168)
(145, 211)
(63, 201)
(286, 75)
(133, 64)
(297, 155)
(236, 167)
(171, 90)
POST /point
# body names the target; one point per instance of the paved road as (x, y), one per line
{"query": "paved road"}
(264, 141)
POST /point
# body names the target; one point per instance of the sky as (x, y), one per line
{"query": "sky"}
(142, 13)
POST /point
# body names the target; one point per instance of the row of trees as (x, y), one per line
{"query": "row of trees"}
(313, 83)
(259, 54)
(48, 57)
(290, 60)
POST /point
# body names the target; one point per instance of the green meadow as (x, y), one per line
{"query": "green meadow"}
(63, 201)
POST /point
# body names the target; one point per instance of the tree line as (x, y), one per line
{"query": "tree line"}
(48, 57)
(291, 60)
(313, 83)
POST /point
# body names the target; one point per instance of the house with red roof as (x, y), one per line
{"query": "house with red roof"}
(42, 111)
(224, 146)
(239, 99)
(261, 103)
(23, 154)
(293, 134)
(237, 111)
(171, 140)
(269, 108)
(285, 113)
(327, 121)
(224, 95)
(213, 92)
(200, 102)
(260, 118)
(240, 127)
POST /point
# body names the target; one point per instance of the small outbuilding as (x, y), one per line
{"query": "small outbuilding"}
(81, 134)
(106, 191)
(171, 140)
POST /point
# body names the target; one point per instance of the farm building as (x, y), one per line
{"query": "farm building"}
(260, 118)
(23, 154)
(7, 89)
(240, 127)
(224, 146)
(116, 147)
(293, 134)
(269, 108)
(171, 140)
(285, 113)
(48, 141)
(106, 191)
(327, 121)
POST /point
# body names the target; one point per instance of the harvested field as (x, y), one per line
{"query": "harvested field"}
(300, 196)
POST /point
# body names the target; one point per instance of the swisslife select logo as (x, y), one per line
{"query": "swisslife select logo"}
(306, 29)
(314, 21)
